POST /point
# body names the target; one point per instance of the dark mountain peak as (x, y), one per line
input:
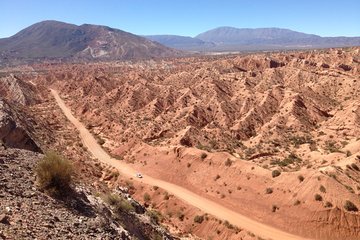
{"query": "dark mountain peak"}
(54, 39)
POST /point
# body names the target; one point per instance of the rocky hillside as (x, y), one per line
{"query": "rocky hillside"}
(52, 39)
(90, 210)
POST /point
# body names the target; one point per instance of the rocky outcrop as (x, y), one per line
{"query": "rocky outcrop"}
(18, 91)
(13, 130)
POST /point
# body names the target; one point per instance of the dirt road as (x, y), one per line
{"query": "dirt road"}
(191, 198)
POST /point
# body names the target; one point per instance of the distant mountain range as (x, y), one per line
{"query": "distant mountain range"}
(53, 39)
(238, 39)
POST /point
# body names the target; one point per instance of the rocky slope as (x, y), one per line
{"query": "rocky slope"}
(52, 39)
(27, 212)
(224, 126)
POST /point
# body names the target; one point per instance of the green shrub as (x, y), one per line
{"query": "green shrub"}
(54, 173)
(318, 197)
(155, 216)
(147, 197)
(275, 173)
(228, 225)
(274, 208)
(349, 206)
(269, 191)
(203, 156)
(348, 153)
(198, 219)
(301, 178)
(166, 196)
(181, 216)
(118, 203)
(100, 141)
(328, 205)
(322, 189)
(228, 162)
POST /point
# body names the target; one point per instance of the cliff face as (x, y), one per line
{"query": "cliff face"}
(13, 129)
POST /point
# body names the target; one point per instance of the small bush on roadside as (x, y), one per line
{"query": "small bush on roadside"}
(54, 173)
(118, 203)
(147, 197)
(198, 219)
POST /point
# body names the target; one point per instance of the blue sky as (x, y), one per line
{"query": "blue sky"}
(187, 17)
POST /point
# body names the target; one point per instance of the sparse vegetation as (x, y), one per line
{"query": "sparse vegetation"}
(350, 206)
(290, 159)
(299, 140)
(147, 197)
(118, 203)
(269, 191)
(228, 162)
(275, 173)
(328, 205)
(301, 178)
(348, 153)
(318, 197)
(322, 189)
(274, 208)
(100, 141)
(332, 146)
(203, 156)
(155, 216)
(166, 196)
(54, 173)
(228, 225)
(181, 216)
(199, 219)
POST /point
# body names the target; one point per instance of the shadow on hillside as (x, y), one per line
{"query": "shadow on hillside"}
(77, 203)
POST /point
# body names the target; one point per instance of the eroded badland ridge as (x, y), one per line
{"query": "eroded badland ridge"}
(271, 136)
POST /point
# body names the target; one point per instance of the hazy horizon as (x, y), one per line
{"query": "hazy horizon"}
(187, 18)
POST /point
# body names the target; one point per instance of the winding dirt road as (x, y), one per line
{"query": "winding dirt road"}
(191, 198)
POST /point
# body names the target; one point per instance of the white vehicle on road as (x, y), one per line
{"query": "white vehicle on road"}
(138, 175)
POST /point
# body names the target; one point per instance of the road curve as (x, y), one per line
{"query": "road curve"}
(191, 198)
